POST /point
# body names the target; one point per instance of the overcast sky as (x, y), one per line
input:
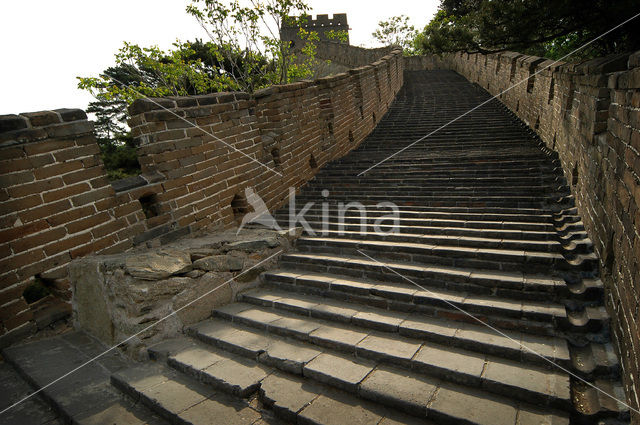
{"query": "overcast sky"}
(46, 44)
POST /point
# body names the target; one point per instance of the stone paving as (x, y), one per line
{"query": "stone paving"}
(358, 327)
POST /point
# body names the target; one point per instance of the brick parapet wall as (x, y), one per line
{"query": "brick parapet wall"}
(420, 63)
(351, 56)
(56, 203)
(293, 129)
(590, 114)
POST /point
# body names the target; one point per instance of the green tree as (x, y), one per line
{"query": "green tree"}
(254, 28)
(245, 54)
(550, 28)
(190, 68)
(397, 31)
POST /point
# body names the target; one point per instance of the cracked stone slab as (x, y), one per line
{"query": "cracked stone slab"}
(333, 411)
(286, 395)
(465, 367)
(388, 348)
(341, 372)
(338, 338)
(400, 389)
(289, 356)
(240, 377)
(464, 405)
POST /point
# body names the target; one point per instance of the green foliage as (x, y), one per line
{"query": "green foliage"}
(245, 54)
(397, 31)
(549, 28)
(119, 156)
(254, 28)
(337, 35)
(304, 66)
(152, 72)
(190, 68)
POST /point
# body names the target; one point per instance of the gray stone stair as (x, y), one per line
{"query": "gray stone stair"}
(83, 397)
(484, 306)
(336, 376)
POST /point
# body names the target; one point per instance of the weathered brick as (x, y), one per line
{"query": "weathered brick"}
(20, 204)
(44, 211)
(20, 260)
(13, 233)
(88, 222)
(68, 216)
(36, 187)
(57, 169)
(13, 179)
(76, 152)
(92, 196)
(68, 243)
(18, 320)
(65, 192)
(37, 240)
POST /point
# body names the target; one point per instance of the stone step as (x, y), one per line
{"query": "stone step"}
(325, 181)
(352, 171)
(455, 256)
(532, 315)
(84, 395)
(506, 308)
(427, 188)
(371, 213)
(30, 411)
(569, 244)
(183, 400)
(293, 321)
(552, 240)
(288, 397)
(348, 370)
(590, 360)
(453, 237)
(537, 287)
(396, 170)
(470, 280)
(444, 160)
(370, 216)
(453, 200)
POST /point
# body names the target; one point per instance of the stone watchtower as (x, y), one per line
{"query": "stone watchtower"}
(321, 24)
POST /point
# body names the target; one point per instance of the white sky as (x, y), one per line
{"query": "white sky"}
(45, 44)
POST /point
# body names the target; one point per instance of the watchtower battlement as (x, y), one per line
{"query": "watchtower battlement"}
(322, 25)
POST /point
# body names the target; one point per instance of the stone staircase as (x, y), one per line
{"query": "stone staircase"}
(484, 307)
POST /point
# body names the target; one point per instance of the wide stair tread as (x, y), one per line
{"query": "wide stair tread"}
(366, 375)
(382, 384)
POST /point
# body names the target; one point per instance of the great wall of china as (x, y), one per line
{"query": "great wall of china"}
(57, 205)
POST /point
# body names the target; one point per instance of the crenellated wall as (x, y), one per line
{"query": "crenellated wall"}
(590, 114)
(56, 203)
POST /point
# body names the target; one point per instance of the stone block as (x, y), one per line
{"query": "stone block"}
(341, 372)
(399, 389)
(220, 263)
(158, 265)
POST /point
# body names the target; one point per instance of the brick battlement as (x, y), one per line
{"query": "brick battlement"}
(338, 20)
(321, 25)
(56, 203)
